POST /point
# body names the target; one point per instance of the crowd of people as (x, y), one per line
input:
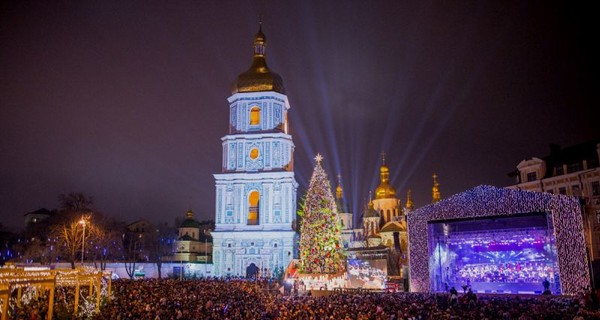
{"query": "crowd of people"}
(34, 303)
(231, 299)
(244, 299)
(487, 272)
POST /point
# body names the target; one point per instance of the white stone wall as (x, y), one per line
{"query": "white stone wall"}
(277, 204)
(233, 252)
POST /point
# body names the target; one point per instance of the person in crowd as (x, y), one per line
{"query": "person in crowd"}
(546, 285)
(241, 299)
(233, 299)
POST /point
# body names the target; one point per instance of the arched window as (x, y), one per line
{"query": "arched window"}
(253, 207)
(255, 116)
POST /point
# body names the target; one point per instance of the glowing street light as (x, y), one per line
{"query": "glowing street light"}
(82, 222)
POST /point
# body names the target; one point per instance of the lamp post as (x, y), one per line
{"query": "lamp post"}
(205, 252)
(82, 222)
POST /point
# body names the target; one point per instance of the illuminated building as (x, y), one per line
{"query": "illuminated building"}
(384, 220)
(573, 171)
(193, 244)
(384, 224)
(256, 191)
(386, 202)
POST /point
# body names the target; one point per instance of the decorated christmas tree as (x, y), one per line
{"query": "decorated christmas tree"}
(320, 232)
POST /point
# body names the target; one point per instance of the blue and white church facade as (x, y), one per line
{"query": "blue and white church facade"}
(256, 191)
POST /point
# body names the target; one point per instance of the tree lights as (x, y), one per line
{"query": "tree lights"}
(32, 283)
(320, 232)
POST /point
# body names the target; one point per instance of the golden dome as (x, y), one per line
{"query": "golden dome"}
(435, 190)
(339, 192)
(409, 202)
(384, 190)
(258, 77)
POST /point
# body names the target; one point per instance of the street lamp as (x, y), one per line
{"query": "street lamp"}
(205, 252)
(82, 222)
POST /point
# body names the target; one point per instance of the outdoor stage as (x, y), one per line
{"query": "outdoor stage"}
(512, 254)
(498, 240)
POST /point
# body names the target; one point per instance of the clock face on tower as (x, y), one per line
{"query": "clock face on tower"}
(254, 153)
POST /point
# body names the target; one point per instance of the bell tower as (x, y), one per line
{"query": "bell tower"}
(386, 202)
(256, 190)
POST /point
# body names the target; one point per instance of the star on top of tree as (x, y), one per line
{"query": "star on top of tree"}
(318, 158)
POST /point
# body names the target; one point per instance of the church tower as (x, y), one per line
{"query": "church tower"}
(256, 190)
(385, 201)
(392, 230)
(409, 202)
(435, 190)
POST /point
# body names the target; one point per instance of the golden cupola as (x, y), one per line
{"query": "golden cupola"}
(339, 196)
(258, 77)
(339, 192)
(384, 190)
(409, 201)
(435, 190)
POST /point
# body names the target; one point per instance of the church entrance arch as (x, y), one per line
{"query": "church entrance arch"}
(251, 271)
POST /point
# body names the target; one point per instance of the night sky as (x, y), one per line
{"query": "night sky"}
(125, 101)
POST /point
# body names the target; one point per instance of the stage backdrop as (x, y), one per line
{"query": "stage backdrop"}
(512, 254)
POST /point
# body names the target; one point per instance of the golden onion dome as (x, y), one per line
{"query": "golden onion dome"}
(258, 77)
(409, 202)
(384, 190)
